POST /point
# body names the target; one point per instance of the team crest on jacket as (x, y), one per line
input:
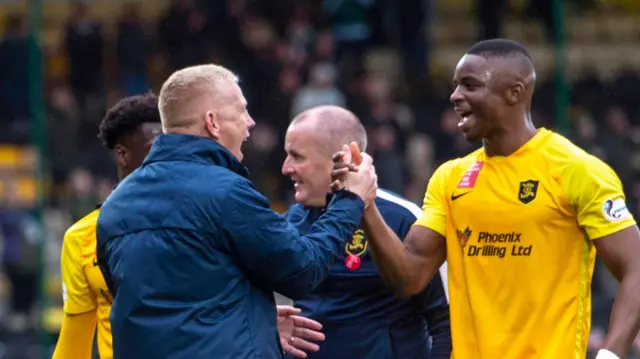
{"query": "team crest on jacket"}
(528, 191)
(463, 236)
(357, 245)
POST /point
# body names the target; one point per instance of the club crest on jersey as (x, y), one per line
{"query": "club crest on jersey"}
(463, 236)
(528, 191)
(357, 245)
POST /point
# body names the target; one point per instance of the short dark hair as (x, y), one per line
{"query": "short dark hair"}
(499, 48)
(126, 117)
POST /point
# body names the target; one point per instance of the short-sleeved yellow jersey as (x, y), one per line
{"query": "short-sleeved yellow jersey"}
(519, 250)
(83, 286)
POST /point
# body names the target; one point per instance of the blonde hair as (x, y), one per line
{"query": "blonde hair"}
(179, 101)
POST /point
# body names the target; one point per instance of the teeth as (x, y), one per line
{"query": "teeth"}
(463, 121)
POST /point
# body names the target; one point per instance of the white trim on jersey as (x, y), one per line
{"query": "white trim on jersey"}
(417, 212)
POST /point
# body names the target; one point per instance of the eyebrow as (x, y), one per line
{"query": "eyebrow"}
(467, 78)
(294, 152)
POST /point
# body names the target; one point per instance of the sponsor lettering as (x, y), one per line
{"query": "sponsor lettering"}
(499, 245)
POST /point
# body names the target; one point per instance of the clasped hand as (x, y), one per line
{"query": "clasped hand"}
(354, 171)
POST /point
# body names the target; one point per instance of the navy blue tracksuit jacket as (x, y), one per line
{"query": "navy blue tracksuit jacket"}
(361, 318)
(193, 253)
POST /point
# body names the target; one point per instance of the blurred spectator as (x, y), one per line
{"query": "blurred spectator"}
(323, 48)
(14, 87)
(84, 46)
(132, 52)
(82, 197)
(182, 34)
(300, 34)
(409, 28)
(351, 28)
(19, 260)
(421, 164)
(617, 143)
(321, 90)
(450, 143)
(390, 162)
(277, 107)
(491, 14)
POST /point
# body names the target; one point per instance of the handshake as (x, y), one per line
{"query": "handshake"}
(354, 171)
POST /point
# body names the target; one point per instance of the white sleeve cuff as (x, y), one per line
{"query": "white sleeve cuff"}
(606, 354)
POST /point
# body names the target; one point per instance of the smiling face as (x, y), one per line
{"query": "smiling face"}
(477, 97)
(308, 164)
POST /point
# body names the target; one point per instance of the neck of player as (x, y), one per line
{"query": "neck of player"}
(123, 173)
(510, 137)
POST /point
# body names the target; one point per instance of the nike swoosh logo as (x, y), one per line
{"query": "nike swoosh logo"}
(453, 198)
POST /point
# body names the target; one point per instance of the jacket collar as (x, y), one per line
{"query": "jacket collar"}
(188, 148)
(324, 208)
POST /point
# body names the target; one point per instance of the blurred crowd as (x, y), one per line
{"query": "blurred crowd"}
(290, 56)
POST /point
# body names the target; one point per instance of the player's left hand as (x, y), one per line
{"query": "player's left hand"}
(297, 333)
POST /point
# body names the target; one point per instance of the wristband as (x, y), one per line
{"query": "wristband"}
(606, 354)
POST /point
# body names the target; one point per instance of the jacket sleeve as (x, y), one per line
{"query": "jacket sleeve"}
(437, 316)
(272, 251)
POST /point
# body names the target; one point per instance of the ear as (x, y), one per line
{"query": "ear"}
(515, 93)
(121, 155)
(212, 125)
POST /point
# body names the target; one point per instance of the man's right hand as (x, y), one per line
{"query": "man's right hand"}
(361, 180)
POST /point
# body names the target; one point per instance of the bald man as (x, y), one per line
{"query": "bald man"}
(192, 252)
(361, 317)
(519, 222)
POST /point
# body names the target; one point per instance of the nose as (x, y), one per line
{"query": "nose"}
(287, 169)
(456, 96)
(251, 123)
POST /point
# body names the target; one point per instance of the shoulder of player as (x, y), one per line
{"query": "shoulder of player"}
(84, 230)
(462, 163)
(457, 165)
(392, 204)
(565, 156)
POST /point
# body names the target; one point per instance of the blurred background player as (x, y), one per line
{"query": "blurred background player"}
(511, 218)
(128, 130)
(353, 300)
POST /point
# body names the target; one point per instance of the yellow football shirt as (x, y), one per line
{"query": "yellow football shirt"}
(519, 250)
(83, 286)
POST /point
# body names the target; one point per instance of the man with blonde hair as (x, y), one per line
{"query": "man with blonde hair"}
(192, 251)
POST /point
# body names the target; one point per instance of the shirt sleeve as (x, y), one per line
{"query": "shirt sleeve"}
(76, 336)
(76, 292)
(434, 208)
(595, 193)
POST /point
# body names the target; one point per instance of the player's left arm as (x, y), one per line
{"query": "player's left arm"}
(437, 316)
(619, 251)
(76, 336)
(602, 213)
(436, 298)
